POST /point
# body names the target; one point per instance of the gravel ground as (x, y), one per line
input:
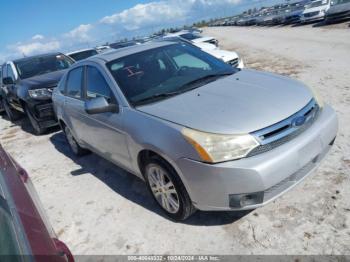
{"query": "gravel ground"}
(97, 208)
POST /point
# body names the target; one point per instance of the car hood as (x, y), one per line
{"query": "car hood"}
(203, 39)
(48, 80)
(339, 8)
(315, 9)
(205, 46)
(223, 54)
(294, 13)
(247, 101)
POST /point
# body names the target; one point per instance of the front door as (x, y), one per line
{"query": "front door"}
(105, 130)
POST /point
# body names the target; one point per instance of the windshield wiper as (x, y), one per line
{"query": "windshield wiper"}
(189, 86)
(156, 96)
(186, 87)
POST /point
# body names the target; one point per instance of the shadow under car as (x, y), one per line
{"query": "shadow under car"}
(133, 188)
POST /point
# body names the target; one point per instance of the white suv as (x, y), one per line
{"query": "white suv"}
(315, 11)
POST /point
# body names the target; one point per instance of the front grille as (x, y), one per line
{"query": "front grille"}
(289, 181)
(286, 130)
(45, 110)
(233, 62)
(311, 14)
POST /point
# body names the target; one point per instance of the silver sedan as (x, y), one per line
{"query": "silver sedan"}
(202, 134)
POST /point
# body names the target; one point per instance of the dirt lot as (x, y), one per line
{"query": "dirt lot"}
(97, 208)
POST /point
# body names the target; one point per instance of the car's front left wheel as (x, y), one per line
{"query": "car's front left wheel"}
(38, 130)
(168, 189)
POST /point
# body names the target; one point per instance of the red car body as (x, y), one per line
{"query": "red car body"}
(26, 234)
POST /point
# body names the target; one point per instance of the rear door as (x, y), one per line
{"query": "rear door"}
(74, 103)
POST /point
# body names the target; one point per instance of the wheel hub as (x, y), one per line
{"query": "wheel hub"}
(163, 189)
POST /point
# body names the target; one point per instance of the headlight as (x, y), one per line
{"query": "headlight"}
(317, 97)
(39, 94)
(213, 148)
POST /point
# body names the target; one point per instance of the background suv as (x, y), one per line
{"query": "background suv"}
(27, 87)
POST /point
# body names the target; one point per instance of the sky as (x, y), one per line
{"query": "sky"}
(37, 26)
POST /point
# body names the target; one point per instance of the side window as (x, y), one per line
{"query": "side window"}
(187, 60)
(4, 73)
(61, 85)
(10, 72)
(96, 85)
(74, 81)
(8, 239)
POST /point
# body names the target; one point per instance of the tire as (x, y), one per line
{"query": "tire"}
(73, 144)
(168, 190)
(37, 129)
(11, 113)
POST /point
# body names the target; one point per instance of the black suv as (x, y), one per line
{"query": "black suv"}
(27, 85)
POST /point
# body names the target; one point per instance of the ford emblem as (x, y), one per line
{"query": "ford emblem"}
(299, 121)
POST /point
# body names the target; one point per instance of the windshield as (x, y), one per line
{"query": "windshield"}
(155, 74)
(190, 36)
(40, 65)
(338, 2)
(296, 6)
(83, 55)
(317, 3)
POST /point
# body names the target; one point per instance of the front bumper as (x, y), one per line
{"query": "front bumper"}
(43, 113)
(338, 16)
(271, 173)
(318, 17)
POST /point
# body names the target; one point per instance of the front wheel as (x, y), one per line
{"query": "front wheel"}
(38, 130)
(11, 113)
(168, 189)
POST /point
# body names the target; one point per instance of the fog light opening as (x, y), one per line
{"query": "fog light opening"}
(243, 200)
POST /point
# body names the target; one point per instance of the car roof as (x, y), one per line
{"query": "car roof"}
(35, 56)
(129, 50)
(182, 32)
(81, 50)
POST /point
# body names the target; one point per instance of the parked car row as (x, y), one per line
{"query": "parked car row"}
(201, 133)
(27, 83)
(297, 12)
(194, 37)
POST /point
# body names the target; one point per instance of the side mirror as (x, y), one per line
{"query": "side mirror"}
(7, 81)
(100, 105)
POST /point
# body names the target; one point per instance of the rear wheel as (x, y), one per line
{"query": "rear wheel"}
(38, 130)
(73, 144)
(11, 113)
(168, 189)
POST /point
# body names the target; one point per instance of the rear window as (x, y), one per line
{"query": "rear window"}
(189, 36)
(83, 55)
(74, 82)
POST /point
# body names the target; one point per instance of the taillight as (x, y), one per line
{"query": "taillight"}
(23, 175)
(63, 250)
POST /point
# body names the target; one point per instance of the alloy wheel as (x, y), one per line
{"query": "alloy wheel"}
(163, 189)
